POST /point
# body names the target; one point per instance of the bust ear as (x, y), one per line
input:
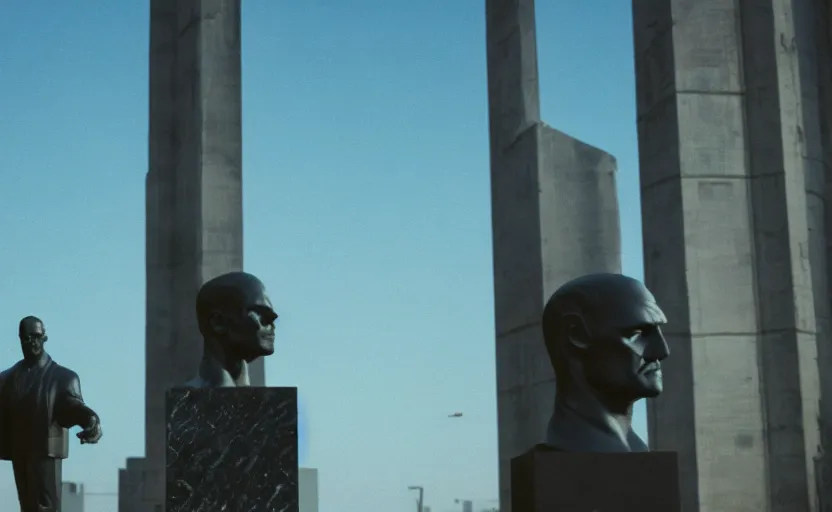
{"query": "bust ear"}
(45, 338)
(577, 333)
(217, 322)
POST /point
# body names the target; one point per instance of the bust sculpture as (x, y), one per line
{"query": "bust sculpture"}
(236, 320)
(39, 401)
(604, 339)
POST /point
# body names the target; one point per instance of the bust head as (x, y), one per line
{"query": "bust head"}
(235, 315)
(603, 333)
(32, 336)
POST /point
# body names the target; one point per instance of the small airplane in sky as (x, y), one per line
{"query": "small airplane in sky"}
(455, 415)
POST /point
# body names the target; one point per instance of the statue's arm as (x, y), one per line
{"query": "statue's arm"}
(70, 409)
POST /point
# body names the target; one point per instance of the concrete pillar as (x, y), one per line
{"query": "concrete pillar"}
(813, 21)
(816, 27)
(731, 246)
(554, 218)
(194, 194)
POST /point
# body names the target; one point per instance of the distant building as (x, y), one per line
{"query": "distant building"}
(72, 497)
(467, 506)
(131, 486)
(425, 509)
(308, 489)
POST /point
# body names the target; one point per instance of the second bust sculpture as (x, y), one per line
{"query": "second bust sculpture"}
(236, 320)
(603, 334)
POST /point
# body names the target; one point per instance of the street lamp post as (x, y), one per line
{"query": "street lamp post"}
(421, 498)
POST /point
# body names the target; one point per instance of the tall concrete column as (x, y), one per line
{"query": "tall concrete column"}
(816, 23)
(731, 246)
(554, 218)
(194, 195)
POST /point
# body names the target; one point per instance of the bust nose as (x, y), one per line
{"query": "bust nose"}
(656, 349)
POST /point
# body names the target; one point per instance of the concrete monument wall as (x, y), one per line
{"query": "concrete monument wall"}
(733, 201)
(554, 218)
(818, 87)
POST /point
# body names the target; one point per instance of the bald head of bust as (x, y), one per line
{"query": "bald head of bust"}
(236, 316)
(603, 331)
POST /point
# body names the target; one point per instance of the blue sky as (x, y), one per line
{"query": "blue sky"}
(366, 213)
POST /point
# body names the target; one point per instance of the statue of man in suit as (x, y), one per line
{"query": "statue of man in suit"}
(236, 320)
(604, 338)
(39, 401)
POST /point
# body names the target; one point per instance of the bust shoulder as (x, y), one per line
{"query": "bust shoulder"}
(7, 372)
(195, 383)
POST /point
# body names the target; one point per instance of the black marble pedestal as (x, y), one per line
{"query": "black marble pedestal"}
(543, 480)
(232, 450)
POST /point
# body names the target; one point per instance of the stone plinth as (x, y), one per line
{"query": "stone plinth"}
(543, 480)
(232, 449)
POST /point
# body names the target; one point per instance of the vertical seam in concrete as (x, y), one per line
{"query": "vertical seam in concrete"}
(783, 486)
(689, 461)
(239, 21)
(200, 127)
(823, 462)
(740, 30)
(749, 164)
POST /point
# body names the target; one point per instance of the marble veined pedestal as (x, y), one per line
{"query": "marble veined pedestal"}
(232, 450)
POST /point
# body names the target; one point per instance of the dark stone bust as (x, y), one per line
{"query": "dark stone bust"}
(236, 320)
(604, 339)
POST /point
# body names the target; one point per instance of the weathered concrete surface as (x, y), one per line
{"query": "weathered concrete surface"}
(130, 486)
(194, 195)
(813, 20)
(819, 17)
(734, 243)
(554, 217)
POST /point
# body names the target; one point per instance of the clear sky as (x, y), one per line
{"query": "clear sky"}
(366, 214)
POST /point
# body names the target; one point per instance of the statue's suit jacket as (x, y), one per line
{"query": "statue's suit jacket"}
(59, 403)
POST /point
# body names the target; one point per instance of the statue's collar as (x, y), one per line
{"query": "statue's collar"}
(41, 363)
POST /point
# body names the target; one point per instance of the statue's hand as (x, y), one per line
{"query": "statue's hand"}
(92, 433)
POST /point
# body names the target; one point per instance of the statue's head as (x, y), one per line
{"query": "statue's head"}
(235, 313)
(32, 337)
(604, 330)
